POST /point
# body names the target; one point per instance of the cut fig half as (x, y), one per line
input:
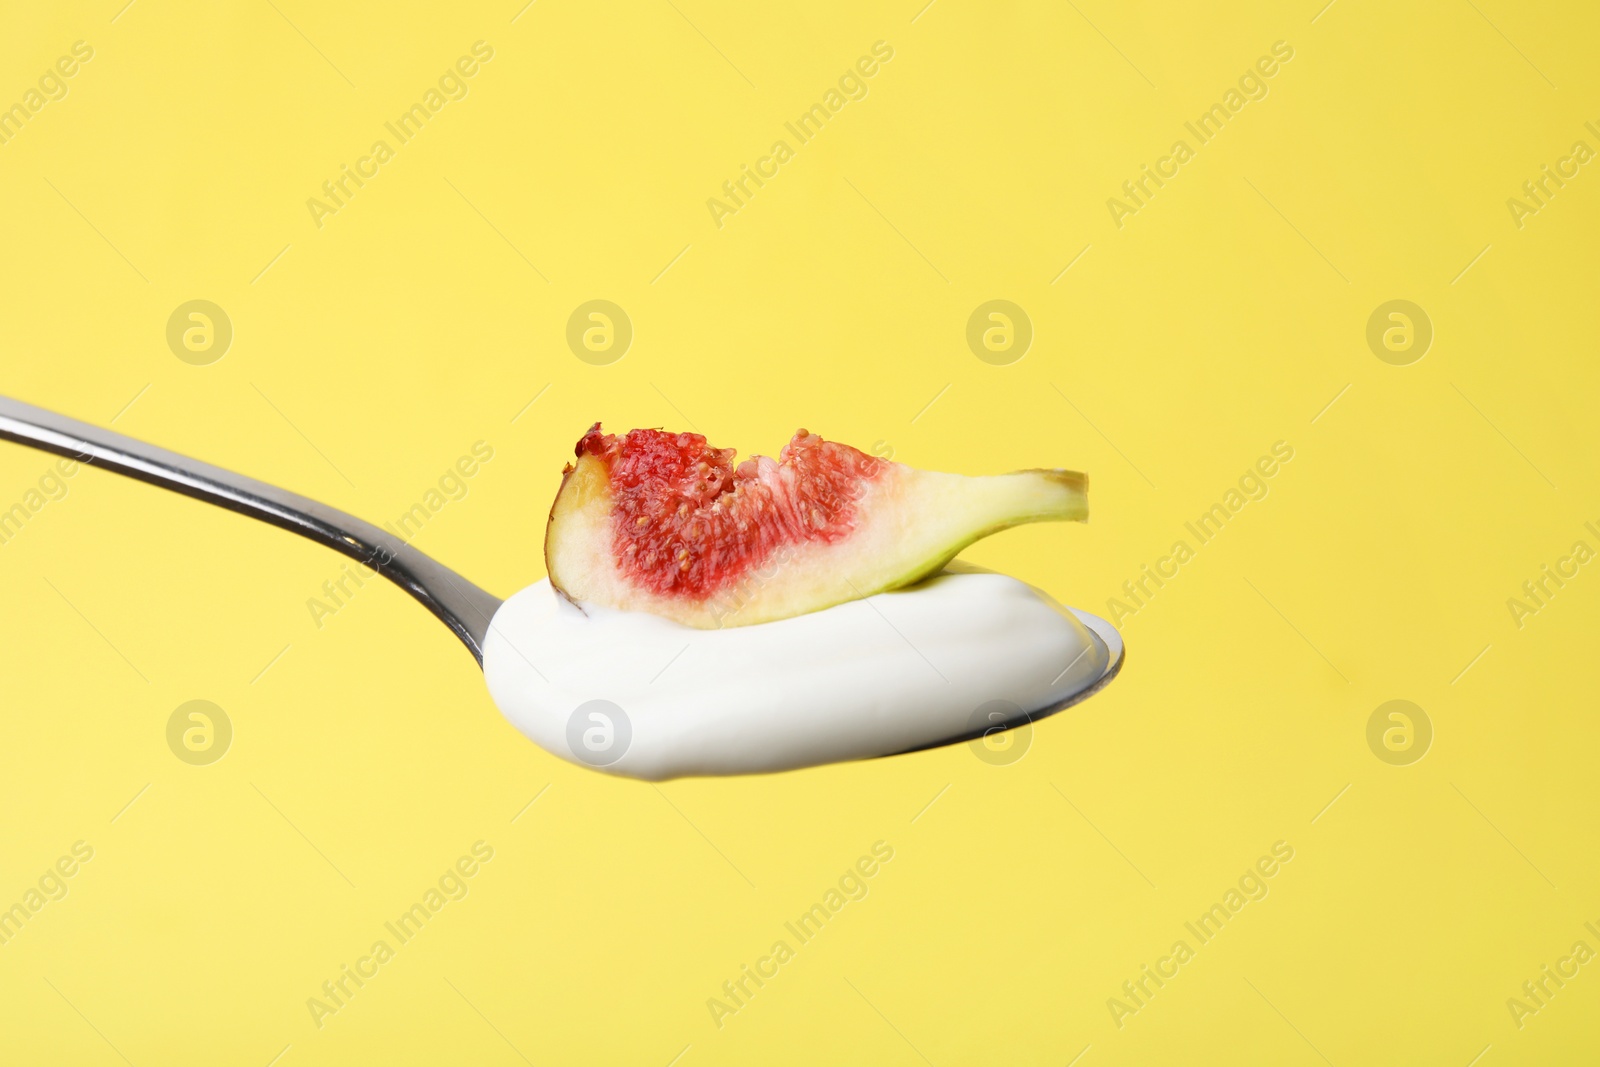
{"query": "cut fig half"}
(663, 523)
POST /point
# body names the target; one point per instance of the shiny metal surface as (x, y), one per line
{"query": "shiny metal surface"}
(458, 603)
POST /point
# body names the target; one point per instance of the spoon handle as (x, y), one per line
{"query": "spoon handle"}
(458, 603)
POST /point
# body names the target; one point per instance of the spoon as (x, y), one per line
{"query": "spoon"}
(461, 605)
(458, 603)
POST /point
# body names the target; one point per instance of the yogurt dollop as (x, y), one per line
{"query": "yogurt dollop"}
(638, 695)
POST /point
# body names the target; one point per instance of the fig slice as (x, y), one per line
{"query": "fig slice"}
(663, 523)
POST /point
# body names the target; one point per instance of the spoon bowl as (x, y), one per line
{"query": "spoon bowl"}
(465, 608)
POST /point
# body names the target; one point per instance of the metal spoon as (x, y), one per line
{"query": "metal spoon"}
(459, 604)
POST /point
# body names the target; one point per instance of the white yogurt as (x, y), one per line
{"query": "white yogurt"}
(639, 695)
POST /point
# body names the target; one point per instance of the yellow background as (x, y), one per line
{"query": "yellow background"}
(1223, 317)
